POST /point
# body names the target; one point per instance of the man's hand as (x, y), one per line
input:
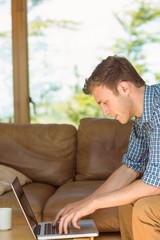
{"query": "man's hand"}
(72, 213)
(65, 210)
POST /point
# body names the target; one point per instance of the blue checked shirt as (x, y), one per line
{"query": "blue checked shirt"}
(144, 145)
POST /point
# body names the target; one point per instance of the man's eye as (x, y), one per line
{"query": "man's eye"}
(105, 103)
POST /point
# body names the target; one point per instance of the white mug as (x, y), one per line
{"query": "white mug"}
(5, 218)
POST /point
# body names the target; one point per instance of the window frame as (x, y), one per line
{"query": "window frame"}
(20, 61)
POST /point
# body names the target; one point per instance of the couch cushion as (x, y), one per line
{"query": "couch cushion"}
(106, 219)
(37, 194)
(101, 145)
(43, 152)
(7, 175)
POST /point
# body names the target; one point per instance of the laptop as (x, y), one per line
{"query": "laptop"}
(46, 230)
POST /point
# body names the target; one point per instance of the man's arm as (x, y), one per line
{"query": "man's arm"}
(120, 178)
(124, 195)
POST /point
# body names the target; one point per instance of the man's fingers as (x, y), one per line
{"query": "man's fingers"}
(65, 221)
(67, 210)
(61, 225)
(62, 213)
(58, 216)
(75, 222)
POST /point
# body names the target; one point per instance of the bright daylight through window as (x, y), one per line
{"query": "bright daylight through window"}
(66, 40)
(6, 75)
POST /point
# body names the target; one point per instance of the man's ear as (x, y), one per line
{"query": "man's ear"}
(124, 88)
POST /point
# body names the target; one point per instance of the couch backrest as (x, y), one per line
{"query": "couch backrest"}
(101, 145)
(43, 152)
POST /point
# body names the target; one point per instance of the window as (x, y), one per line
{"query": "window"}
(6, 76)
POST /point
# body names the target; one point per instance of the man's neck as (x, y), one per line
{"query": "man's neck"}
(138, 101)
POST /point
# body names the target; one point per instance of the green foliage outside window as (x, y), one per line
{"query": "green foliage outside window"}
(136, 22)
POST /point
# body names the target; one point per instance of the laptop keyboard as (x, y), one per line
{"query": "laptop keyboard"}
(37, 229)
(50, 229)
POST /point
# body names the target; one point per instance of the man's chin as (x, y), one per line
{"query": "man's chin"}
(122, 121)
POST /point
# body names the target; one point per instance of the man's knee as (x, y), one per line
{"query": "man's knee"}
(145, 208)
(139, 209)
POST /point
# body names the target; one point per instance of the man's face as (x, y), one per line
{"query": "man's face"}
(117, 106)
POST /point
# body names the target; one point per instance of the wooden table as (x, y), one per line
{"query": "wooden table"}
(17, 233)
(23, 232)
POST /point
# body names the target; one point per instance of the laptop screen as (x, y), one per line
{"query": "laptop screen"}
(88, 227)
(23, 201)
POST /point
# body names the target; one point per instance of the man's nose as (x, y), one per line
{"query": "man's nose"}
(105, 110)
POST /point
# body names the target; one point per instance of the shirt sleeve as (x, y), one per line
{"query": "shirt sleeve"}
(152, 173)
(137, 153)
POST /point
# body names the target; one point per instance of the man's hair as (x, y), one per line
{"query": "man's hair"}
(110, 72)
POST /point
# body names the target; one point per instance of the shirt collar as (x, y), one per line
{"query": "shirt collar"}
(147, 105)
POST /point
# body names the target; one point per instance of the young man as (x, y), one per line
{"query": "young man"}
(135, 187)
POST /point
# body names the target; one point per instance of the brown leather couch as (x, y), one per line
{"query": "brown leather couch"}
(65, 164)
